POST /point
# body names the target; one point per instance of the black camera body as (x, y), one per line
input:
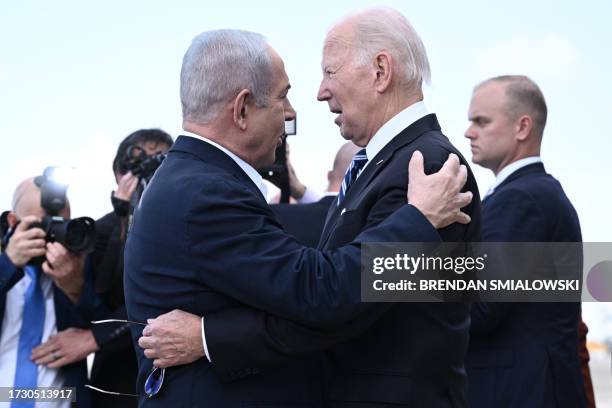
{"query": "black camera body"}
(278, 172)
(140, 164)
(77, 235)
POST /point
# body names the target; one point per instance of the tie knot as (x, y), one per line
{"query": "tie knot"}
(360, 156)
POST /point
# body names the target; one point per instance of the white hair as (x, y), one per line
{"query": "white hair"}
(217, 66)
(383, 28)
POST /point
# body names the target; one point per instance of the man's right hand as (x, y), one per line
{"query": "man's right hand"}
(438, 196)
(25, 243)
(126, 186)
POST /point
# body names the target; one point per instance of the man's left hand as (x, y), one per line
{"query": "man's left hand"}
(66, 270)
(66, 347)
(172, 339)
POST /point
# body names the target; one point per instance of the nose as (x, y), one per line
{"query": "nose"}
(289, 111)
(323, 94)
(470, 133)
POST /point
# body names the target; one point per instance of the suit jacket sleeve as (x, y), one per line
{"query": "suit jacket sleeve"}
(246, 337)
(320, 289)
(512, 215)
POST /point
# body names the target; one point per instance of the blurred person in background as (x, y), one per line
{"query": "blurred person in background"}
(38, 299)
(114, 366)
(305, 220)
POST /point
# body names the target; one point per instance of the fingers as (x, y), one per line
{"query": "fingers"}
(42, 350)
(451, 165)
(463, 218)
(145, 342)
(463, 199)
(416, 165)
(463, 176)
(162, 363)
(60, 362)
(26, 222)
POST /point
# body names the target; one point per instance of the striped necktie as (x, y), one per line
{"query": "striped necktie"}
(358, 163)
(32, 324)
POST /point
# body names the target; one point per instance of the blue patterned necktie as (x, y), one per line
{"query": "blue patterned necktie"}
(359, 161)
(26, 372)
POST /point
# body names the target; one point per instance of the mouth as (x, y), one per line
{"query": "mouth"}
(338, 120)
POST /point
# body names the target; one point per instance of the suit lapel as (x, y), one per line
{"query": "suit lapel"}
(375, 166)
(534, 168)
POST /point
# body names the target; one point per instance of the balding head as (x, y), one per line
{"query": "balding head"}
(341, 162)
(523, 97)
(26, 201)
(377, 29)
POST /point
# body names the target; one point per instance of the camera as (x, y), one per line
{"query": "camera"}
(139, 163)
(278, 173)
(77, 235)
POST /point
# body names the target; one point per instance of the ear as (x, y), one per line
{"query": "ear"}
(240, 109)
(525, 124)
(11, 218)
(383, 67)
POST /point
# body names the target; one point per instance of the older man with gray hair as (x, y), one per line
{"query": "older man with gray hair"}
(205, 241)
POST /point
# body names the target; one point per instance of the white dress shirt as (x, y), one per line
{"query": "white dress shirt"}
(393, 127)
(246, 167)
(509, 169)
(9, 340)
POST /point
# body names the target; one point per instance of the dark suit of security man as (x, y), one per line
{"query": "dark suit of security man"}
(521, 354)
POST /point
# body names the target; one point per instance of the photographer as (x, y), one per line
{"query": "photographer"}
(41, 292)
(115, 367)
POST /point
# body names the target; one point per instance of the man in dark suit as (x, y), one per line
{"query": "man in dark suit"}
(374, 64)
(305, 221)
(114, 367)
(521, 354)
(205, 240)
(37, 300)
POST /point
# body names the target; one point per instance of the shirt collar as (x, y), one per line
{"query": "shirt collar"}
(393, 127)
(246, 167)
(511, 168)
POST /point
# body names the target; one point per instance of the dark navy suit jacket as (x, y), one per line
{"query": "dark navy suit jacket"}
(408, 354)
(526, 354)
(304, 221)
(204, 240)
(66, 315)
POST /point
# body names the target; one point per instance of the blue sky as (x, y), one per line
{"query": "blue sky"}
(76, 77)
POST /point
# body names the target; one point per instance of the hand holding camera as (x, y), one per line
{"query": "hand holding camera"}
(66, 269)
(26, 243)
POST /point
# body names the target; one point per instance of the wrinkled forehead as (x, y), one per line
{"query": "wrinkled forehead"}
(339, 40)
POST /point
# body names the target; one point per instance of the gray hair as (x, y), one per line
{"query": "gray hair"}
(523, 97)
(217, 66)
(383, 28)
